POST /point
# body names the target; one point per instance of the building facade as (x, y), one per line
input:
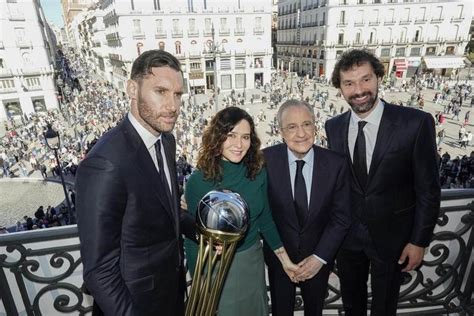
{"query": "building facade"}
(225, 43)
(26, 60)
(407, 35)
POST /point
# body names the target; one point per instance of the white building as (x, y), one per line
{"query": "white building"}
(26, 60)
(404, 34)
(242, 34)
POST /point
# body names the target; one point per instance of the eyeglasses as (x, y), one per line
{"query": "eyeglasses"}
(293, 128)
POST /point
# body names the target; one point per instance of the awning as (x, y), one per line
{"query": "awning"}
(437, 62)
(400, 64)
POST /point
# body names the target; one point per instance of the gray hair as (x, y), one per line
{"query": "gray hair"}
(293, 103)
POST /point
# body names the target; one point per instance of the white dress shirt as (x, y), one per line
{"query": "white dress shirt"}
(149, 140)
(370, 131)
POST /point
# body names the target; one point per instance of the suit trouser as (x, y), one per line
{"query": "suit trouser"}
(353, 270)
(282, 290)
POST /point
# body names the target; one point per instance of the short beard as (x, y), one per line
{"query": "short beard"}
(364, 108)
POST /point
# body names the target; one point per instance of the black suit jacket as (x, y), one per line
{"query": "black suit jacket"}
(329, 209)
(129, 230)
(401, 201)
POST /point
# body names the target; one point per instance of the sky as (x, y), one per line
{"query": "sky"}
(53, 12)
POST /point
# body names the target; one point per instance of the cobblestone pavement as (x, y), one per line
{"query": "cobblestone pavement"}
(22, 197)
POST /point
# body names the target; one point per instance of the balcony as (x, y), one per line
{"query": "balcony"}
(392, 22)
(421, 21)
(374, 23)
(207, 33)
(341, 24)
(405, 22)
(239, 32)
(457, 20)
(436, 21)
(138, 36)
(359, 23)
(224, 32)
(41, 270)
(16, 16)
(22, 43)
(193, 33)
(176, 34)
(258, 30)
(160, 34)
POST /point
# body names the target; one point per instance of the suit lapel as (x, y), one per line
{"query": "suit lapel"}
(320, 172)
(170, 154)
(287, 193)
(146, 167)
(384, 137)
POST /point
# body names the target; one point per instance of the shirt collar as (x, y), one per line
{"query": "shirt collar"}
(373, 118)
(308, 158)
(148, 138)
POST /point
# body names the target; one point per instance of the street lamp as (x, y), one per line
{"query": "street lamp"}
(214, 48)
(54, 143)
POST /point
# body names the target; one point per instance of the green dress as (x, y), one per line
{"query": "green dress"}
(244, 291)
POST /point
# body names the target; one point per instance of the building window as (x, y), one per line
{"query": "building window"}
(338, 53)
(342, 17)
(226, 82)
(207, 24)
(225, 64)
(415, 51)
(156, 4)
(400, 52)
(33, 82)
(39, 105)
(240, 81)
(417, 36)
(195, 66)
(177, 46)
(239, 63)
(223, 23)
(450, 50)
(357, 40)
(192, 25)
(258, 62)
(2, 65)
(238, 23)
(340, 38)
(161, 45)
(175, 26)
(137, 28)
(159, 26)
(385, 52)
(430, 51)
(371, 38)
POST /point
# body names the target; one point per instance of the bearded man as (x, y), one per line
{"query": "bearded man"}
(127, 200)
(395, 191)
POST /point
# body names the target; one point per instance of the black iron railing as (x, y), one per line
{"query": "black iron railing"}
(41, 271)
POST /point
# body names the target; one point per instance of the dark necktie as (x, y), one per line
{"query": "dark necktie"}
(162, 173)
(359, 160)
(301, 197)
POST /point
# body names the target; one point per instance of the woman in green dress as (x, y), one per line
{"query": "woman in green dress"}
(230, 158)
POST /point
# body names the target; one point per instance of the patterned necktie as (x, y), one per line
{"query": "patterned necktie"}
(301, 196)
(359, 160)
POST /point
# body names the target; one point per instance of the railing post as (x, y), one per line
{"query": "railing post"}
(5, 292)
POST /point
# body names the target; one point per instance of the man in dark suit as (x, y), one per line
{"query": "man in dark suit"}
(127, 203)
(391, 152)
(308, 189)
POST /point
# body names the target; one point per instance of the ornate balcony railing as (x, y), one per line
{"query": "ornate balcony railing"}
(41, 270)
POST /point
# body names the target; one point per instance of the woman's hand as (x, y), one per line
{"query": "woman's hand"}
(289, 267)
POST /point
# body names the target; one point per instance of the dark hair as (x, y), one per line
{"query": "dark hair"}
(210, 152)
(143, 65)
(354, 57)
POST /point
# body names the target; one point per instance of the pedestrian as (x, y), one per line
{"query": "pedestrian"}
(466, 117)
(393, 219)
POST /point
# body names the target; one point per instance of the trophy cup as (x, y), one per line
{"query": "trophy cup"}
(222, 218)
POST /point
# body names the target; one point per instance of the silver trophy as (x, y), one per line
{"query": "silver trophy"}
(222, 219)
